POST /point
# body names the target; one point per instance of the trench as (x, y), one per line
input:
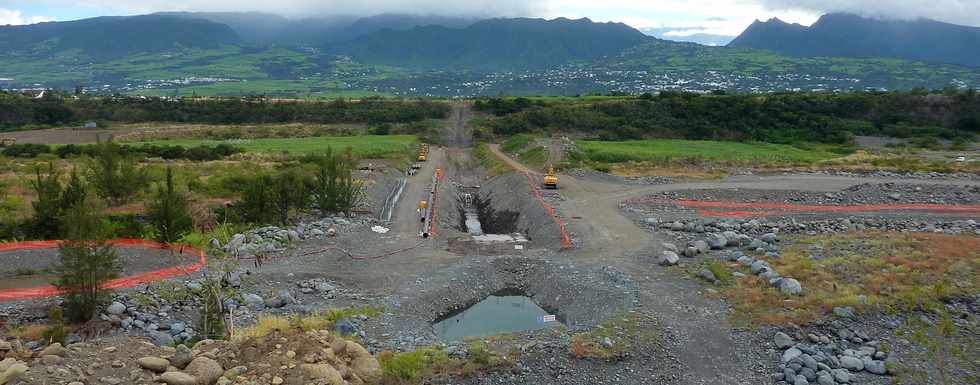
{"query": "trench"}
(479, 217)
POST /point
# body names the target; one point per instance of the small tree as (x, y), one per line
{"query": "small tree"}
(56, 326)
(169, 211)
(74, 192)
(212, 322)
(87, 261)
(288, 192)
(334, 188)
(47, 206)
(114, 174)
(256, 205)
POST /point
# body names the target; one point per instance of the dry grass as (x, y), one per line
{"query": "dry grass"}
(624, 332)
(433, 365)
(883, 271)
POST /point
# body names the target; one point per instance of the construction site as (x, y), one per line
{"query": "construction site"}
(570, 276)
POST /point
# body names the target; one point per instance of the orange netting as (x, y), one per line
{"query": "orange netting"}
(119, 283)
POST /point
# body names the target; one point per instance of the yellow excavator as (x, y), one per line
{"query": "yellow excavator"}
(551, 179)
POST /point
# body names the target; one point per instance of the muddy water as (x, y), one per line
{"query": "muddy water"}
(473, 223)
(494, 315)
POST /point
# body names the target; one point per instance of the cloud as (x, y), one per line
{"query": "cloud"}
(300, 8)
(15, 17)
(954, 11)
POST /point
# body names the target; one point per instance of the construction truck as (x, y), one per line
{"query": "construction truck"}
(551, 179)
(423, 208)
(423, 153)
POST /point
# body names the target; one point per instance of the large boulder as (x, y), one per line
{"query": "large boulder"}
(783, 340)
(116, 308)
(365, 366)
(669, 258)
(153, 364)
(178, 378)
(12, 373)
(790, 286)
(54, 349)
(182, 356)
(206, 370)
(853, 364)
(161, 338)
(717, 241)
(323, 373)
(282, 299)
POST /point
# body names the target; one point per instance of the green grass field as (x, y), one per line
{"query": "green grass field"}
(366, 146)
(667, 150)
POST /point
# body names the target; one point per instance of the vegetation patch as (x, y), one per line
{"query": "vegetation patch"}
(615, 338)
(867, 271)
(426, 365)
(494, 165)
(675, 152)
(366, 146)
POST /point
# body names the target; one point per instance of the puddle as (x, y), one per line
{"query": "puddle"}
(473, 223)
(504, 312)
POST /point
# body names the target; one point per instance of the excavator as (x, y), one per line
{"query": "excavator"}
(551, 179)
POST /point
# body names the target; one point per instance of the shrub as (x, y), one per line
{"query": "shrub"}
(115, 174)
(334, 188)
(47, 206)
(169, 211)
(288, 192)
(56, 326)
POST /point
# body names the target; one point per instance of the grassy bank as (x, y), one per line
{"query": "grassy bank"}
(700, 151)
(364, 146)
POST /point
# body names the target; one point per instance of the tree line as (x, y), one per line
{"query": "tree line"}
(195, 153)
(776, 118)
(59, 109)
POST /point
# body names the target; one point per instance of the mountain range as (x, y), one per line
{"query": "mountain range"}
(229, 53)
(845, 35)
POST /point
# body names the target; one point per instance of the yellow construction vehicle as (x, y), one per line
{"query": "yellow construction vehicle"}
(551, 179)
(423, 153)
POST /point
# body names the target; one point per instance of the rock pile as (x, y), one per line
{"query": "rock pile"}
(288, 357)
(272, 239)
(829, 360)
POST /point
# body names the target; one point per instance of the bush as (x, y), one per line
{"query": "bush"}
(26, 150)
(47, 206)
(56, 326)
(334, 188)
(256, 205)
(169, 211)
(289, 192)
(115, 174)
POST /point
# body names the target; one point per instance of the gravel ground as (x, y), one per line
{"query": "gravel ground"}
(887, 193)
(132, 259)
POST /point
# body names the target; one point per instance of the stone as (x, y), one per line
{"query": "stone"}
(790, 286)
(161, 338)
(206, 370)
(717, 241)
(178, 378)
(12, 373)
(809, 362)
(50, 360)
(116, 308)
(364, 365)
(691, 252)
(801, 380)
(282, 299)
(790, 354)
(874, 366)
(759, 266)
(769, 238)
(323, 372)
(844, 312)
(324, 287)
(826, 379)
(669, 258)
(853, 364)
(809, 374)
(842, 375)
(254, 300)
(153, 364)
(177, 328)
(54, 349)
(701, 246)
(233, 373)
(276, 380)
(782, 340)
(182, 356)
(789, 373)
(669, 246)
(707, 275)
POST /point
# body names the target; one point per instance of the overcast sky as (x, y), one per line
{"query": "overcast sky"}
(723, 17)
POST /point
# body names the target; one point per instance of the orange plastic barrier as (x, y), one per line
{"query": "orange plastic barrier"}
(566, 239)
(119, 283)
(741, 209)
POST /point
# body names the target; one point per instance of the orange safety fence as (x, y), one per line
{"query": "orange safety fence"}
(119, 283)
(433, 223)
(744, 209)
(566, 238)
